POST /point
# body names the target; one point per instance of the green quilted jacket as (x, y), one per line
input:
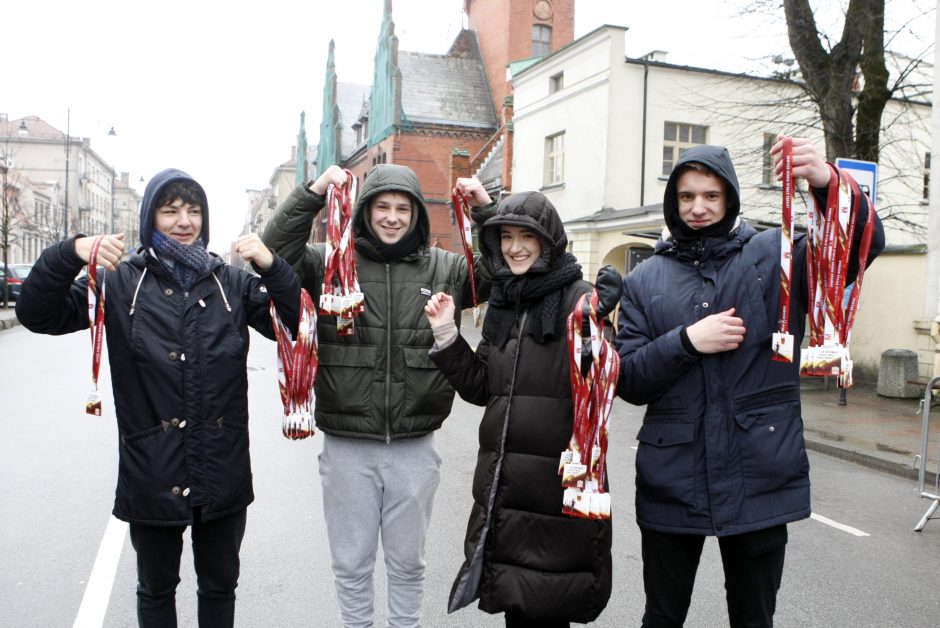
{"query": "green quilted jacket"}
(378, 383)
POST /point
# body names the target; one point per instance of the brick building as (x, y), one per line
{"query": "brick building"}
(443, 115)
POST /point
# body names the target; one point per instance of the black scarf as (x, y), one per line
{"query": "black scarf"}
(541, 294)
(187, 262)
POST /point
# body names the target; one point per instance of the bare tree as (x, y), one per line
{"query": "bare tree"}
(9, 208)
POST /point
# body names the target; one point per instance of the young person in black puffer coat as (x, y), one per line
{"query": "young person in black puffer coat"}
(523, 556)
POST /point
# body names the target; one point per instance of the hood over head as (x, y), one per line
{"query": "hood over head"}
(533, 211)
(391, 178)
(152, 194)
(718, 160)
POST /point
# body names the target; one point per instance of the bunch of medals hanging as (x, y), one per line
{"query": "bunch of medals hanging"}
(340, 295)
(96, 326)
(462, 214)
(297, 365)
(595, 368)
(832, 305)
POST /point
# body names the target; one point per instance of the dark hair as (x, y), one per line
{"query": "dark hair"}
(700, 167)
(187, 191)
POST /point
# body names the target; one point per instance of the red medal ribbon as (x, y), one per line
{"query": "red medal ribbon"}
(594, 370)
(297, 368)
(828, 251)
(340, 295)
(95, 325)
(782, 342)
(462, 211)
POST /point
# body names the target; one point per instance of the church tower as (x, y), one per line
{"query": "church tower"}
(515, 30)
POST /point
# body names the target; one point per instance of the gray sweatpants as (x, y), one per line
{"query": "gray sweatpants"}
(372, 487)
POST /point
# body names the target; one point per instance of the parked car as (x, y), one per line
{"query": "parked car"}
(14, 275)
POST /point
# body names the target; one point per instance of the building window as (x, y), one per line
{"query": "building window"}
(767, 174)
(556, 83)
(555, 159)
(677, 138)
(541, 40)
(927, 178)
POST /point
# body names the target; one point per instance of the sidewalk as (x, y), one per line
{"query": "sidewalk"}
(7, 317)
(877, 432)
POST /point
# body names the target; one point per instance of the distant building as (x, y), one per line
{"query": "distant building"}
(65, 187)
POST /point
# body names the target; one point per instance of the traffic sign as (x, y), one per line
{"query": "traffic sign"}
(864, 172)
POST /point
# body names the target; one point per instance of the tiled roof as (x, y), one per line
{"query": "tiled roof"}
(442, 89)
(36, 128)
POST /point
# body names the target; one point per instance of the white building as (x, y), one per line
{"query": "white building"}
(598, 132)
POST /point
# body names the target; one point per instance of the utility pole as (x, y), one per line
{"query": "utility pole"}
(68, 150)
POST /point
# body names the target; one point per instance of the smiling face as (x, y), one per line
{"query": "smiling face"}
(390, 216)
(702, 199)
(520, 248)
(179, 220)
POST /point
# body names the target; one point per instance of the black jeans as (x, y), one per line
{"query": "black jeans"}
(753, 566)
(215, 556)
(518, 621)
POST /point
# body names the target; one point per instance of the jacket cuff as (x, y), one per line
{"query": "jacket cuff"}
(687, 342)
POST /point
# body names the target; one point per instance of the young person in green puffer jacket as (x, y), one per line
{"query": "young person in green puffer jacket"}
(379, 398)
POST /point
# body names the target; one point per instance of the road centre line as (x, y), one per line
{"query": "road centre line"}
(98, 590)
(838, 526)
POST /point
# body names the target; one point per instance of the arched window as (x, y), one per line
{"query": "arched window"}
(541, 40)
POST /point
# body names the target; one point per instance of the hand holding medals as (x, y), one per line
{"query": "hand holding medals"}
(340, 295)
(595, 369)
(462, 212)
(106, 251)
(830, 230)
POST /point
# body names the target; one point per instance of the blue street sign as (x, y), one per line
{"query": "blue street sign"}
(864, 172)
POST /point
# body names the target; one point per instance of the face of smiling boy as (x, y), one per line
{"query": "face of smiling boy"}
(179, 221)
(390, 216)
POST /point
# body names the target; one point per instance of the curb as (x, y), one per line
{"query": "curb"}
(866, 460)
(7, 323)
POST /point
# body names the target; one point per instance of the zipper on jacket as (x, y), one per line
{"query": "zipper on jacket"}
(388, 351)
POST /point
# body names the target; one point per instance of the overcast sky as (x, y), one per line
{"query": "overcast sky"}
(216, 88)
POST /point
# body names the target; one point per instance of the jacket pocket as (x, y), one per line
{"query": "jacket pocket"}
(427, 391)
(665, 462)
(345, 379)
(151, 463)
(770, 447)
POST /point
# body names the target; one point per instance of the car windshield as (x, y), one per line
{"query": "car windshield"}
(20, 272)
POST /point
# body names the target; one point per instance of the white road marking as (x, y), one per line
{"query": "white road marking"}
(98, 592)
(838, 526)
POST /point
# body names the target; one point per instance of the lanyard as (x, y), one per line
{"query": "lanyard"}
(340, 295)
(95, 325)
(462, 212)
(828, 253)
(594, 370)
(297, 368)
(782, 341)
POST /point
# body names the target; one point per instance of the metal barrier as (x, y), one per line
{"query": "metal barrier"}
(922, 475)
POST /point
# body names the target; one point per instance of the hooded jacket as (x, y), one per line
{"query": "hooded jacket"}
(178, 368)
(721, 447)
(378, 383)
(523, 555)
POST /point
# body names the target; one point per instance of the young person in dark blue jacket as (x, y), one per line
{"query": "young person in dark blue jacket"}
(721, 450)
(176, 322)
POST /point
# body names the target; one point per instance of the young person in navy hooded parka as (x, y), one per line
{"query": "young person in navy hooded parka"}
(176, 321)
(721, 449)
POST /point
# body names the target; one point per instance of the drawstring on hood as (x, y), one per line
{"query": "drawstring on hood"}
(718, 160)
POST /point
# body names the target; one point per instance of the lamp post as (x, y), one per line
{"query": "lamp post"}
(68, 149)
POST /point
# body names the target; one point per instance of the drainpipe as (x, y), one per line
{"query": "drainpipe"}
(646, 74)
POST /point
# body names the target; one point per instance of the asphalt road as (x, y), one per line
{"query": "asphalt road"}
(57, 476)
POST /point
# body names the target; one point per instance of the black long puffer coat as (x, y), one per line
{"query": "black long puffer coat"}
(523, 555)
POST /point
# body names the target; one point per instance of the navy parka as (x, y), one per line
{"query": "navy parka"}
(721, 448)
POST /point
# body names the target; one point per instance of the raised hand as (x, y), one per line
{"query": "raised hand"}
(439, 309)
(253, 250)
(807, 162)
(109, 253)
(334, 174)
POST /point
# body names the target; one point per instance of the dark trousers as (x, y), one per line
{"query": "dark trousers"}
(753, 566)
(215, 556)
(518, 621)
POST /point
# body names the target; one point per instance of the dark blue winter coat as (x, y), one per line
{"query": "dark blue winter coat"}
(721, 447)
